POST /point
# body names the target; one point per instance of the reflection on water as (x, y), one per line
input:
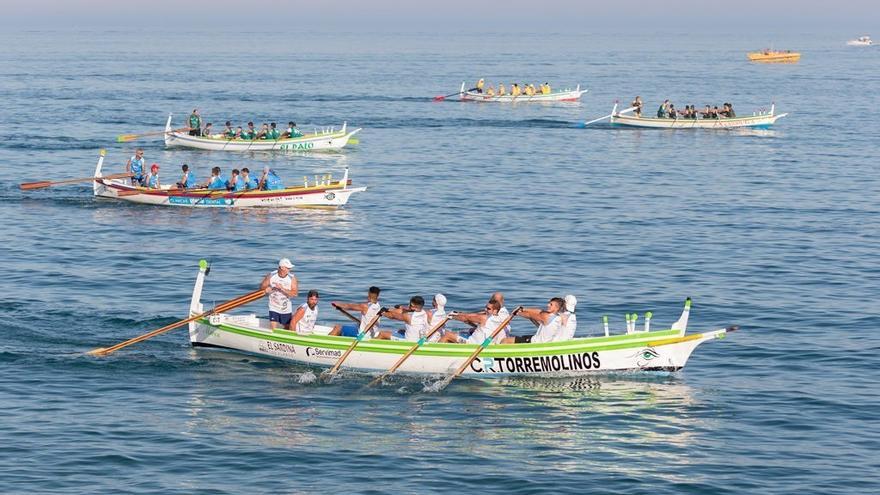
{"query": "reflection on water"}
(611, 416)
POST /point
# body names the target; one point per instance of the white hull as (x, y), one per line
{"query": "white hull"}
(571, 95)
(761, 120)
(331, 194)
(666, 350)
(859, 43)
(322, 141)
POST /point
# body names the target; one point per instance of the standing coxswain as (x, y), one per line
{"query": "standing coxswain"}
(280, 285)
(195, 123)
(135, 167)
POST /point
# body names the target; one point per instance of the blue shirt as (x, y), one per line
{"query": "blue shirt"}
(238, 185)
(190, 180)
(153, 181)
(137, 167)
(273, 182)
(250, 183)
(218, 182)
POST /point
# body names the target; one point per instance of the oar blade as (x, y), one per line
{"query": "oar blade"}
(439, 98)
(35, 185)
(124, 138)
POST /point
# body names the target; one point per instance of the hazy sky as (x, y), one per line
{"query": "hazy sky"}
(489, 15)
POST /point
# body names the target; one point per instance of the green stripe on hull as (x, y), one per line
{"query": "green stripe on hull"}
(610, 343)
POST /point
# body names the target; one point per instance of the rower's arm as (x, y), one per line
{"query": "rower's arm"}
(397, 314)
(265, 283)
(296, 317)
(360, 307)
(536, 315)
(475, 319)
(294, 287)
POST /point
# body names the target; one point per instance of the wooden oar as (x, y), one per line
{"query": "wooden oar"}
(49, 183)
(124, 138)
(230, 304)
(484, 345)
(357, 340)
(412, 350)
(135, 192)
(346, 313)
(630, 109)
(441, 98)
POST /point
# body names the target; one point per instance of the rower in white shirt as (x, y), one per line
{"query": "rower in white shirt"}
(551, 327)
(437, 315)
(306, 315)
(569, 318)
(414, 317)
(485, 322)
(369, 310)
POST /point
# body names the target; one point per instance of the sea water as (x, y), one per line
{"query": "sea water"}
(774, 230)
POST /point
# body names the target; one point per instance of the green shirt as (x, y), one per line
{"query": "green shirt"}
(246, 134)
(294, 132)
(195, 121)
(230, 133)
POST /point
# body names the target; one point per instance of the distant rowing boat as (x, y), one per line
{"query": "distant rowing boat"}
(320, 141)
(774, 56)
(860, 41)
(567, 95)
(324, 193)
(654, 350)
(760, 120)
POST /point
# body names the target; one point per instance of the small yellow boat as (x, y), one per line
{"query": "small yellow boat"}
(774, 56)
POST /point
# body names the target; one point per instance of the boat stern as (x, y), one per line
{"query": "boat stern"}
(169, 136)
(98, 187)
(195, 305)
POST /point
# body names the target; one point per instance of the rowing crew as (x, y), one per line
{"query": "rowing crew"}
(515, 89)
(667, 111)
(557, 322)
(240, 181)
(266, 132)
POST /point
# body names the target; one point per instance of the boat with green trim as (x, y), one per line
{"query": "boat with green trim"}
(651, 350)
(321, 140)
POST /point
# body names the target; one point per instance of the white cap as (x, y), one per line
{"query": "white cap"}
(266, 168)
(570, 303)
(285, 263)
(440, 299)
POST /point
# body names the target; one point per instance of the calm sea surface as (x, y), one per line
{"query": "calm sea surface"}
(776, 231)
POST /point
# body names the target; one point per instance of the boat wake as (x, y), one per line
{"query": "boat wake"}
(306, 378)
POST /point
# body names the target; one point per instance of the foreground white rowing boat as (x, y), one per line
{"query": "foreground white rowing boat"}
(319, 141)
(566, 95)
(324, 193)
(663, 350)
(760, 120)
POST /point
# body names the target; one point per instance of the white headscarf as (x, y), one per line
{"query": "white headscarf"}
(570, 303)
(440, 299)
